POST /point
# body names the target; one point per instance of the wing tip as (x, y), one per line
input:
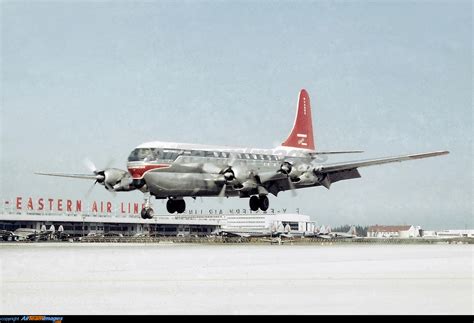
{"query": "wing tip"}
(441, 152)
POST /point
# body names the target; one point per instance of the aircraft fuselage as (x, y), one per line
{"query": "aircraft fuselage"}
(179, 170)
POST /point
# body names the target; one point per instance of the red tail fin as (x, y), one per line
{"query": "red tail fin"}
(302, 134)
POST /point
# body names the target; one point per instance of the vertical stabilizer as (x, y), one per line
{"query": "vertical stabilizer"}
(301, 135)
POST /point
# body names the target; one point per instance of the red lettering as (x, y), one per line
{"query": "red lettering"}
(60, 204)
(129, 208)
(69, 206)
(50, 204)
(78, 206)
(121, 208)
(18, 203)
(94, 207)
(41, 204)
(109, 207)
(135, 208)
(30, 204)
(101, 207)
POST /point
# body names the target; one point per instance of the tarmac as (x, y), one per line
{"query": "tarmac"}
(180, 278)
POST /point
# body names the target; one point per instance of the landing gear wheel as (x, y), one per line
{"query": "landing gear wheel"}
(254, 203)
(180, 206)
(170, 206)
(264, 203)
(147, 213)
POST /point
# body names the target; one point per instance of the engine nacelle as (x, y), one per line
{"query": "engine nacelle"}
(115, 179)
(286, 168)
(307, 178)
(322, 178)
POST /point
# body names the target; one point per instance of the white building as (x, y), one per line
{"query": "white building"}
(455, 233)
(393, 231)
(258, 221)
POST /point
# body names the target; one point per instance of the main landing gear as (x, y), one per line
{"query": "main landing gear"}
(174, 205)
(259, 202)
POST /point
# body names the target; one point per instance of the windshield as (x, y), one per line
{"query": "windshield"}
(141, 154)
(153, 154)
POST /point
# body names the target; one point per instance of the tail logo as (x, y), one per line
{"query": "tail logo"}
(301, 140)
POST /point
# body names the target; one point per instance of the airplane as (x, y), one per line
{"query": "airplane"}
(28, 234)
(326, 233)
(277, 234)
(351, 233)
(275, 231)
(174, 171)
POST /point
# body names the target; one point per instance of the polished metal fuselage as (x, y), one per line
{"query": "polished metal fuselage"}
(198, 172)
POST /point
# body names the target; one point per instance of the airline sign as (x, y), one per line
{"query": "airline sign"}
(72, 206)
(55, 205)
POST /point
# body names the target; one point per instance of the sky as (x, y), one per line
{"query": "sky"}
(95, 79)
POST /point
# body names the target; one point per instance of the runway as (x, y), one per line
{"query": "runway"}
(65, 278)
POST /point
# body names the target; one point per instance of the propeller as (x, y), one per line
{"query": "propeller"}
(229, 175)
(286, 169)
(111, 178)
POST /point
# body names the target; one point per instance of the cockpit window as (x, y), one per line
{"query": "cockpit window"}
(142, 154)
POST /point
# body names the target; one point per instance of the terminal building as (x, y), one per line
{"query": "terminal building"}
(75, 218)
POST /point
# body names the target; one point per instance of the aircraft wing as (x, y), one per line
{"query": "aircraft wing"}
(82, 176)
(314, 154)
(345, 166)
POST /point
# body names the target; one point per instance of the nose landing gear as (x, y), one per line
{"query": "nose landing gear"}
(147, 211)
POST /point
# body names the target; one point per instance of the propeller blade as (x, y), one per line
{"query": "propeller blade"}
(90, 165)
(110, 189)
(211, 168)
(233, 159)
(89, 191)
(222, 193)
(292, 187)
(109, 163)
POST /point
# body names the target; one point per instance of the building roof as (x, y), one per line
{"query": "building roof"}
(388, 228)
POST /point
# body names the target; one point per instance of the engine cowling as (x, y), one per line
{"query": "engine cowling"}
(286, 168)
(115, 179)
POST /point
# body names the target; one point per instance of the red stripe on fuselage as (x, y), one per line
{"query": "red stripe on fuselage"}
(138, 171)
